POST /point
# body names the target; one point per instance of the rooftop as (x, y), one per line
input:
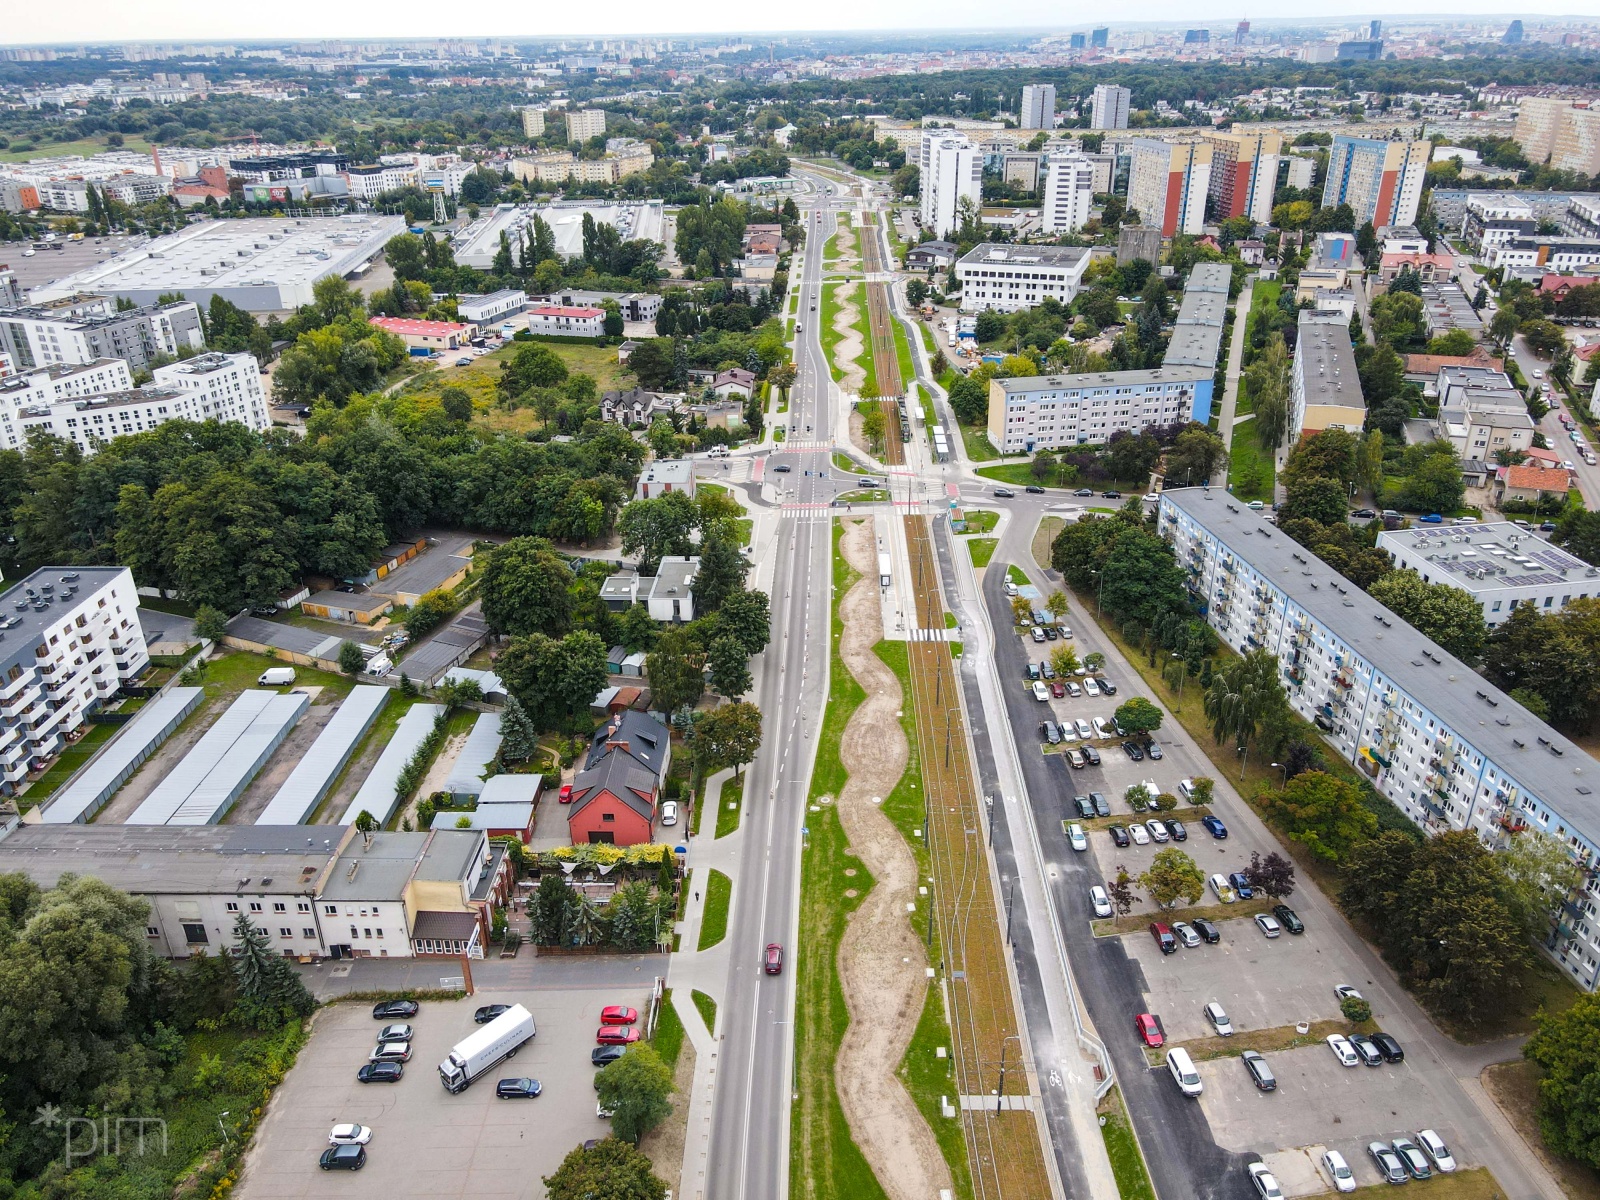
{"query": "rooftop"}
(407, 327)
(1542, 761)
(1543, 479)
(41, 600)
(995, 254)
(1324, 359)
(1210, 277)
(1105, 379)
(379, 871)
(565, 310)
(675, 471)
(1483, 558)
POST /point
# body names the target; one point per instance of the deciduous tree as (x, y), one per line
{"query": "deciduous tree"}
(1137, 715)
(1450, 616)
(1173, 876)
(637, 1089)
(527, 589)
(1322, 812)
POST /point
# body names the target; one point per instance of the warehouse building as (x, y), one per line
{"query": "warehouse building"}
(1445, 746)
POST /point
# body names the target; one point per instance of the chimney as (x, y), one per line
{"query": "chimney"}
(622, 745)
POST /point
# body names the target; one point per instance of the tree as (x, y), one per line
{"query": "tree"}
(674, 670)
(430, 610)
(1195, 455)
(1544, 338)
(1323, 813)
(1138, 797)
(637, 1089)
(533, 366)
(1172, 876)
(1273, 874)
(527, 589)
(782, 378)
(457, 404)
(730, 667)
(1567, 1048)
(351, 660)
(1435, 485)
(1355, 1009)
(747, 616)
(270, 992)
(1200, 789)
(1120, 892)
(874, 425)
(610, 1169)
(552, 910)
(1063, 660)
(1450, 616)
(722, 570)
(1540, 874)
(209, 624)
(658, 527)
(1267, 382)
(1138, 716)
(1245, 697)
(727, 736)
(519, 740)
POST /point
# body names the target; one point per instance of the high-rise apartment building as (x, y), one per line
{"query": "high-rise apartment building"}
(1380, 180)
(1039, 106)
(952, 168)
(1244, 173)
(1068, 193)
(1538, 118)
(1168, 183)
(532, 122)
(1577, 144)
(58, 334)
(1109, 109)
(585, 123)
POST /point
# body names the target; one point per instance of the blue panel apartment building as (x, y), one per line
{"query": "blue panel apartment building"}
(1447, 747)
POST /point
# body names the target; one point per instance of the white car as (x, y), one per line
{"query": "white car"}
(1091, 688)
(1076, 837)
(1100, 901)
(1158, 831)
(1085, 730)
(1268, 925)
(1102, 728)
(1435, 1148)
(1538, 374)
(349, 1135)
(1344, 1179)
(1139, 834)
(1218, 1017)
(1343, 1050)
(1266, 1186)
(1040, 692)
(1343, 992)
(669, 812)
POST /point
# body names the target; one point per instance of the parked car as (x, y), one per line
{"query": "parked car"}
(1163, 937)
(1073, 690)
(1185, 934)
(1040, 692)
(1214, 827)
(1133, 751)
(1084, 805)
(1268, 925)
(565, 795)
(1148, 1027)
(1343, 1050)
(1436, 1150)
(616, 1035)
(1106, 686)
(1090, 687)
(602, 1056)
(1099, 901)
(669, 812)
(518, 1089)
(1343, 992)
(1158, 830)
(1260, 1073)
(388, 1010)
(343, 1158)
(395, 1052)
(1102, 806)
(1102, 727)
(1416, 1162)
(1050, 633)
(1046, 671)
(1092, 755)
(1085, 731)
(1075, 759)
(1288, 918)
(349, 1135)
(1119, 836)
(1339, 1172)
(1208, 932)
(1153, 750)
(1241, 885)
(1369, 1054)
(1177, 830)
(1064, 631)
(1181, 1067)
(394, 1033)
(1388, 1047)
(1139, 834)
(489, 1012)
(1218, 1017)
(1037, 634)
(1047, 730)
(1388, 1162)
(618, 1014)
(380, 1072)
(1222, 889)
(1076, 838)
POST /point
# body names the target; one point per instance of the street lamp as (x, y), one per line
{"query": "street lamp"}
(999, 1096)
(1285, 769)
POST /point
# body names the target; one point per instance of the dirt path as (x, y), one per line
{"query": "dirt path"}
(438, 775)
(882, 968)
(850, 344)
(844, 245)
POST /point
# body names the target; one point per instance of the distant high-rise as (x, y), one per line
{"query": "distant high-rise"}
(1363, 51)
(1538, 119)
(1380, 180)
(1197, 37)
(1098, 38)
(1513, 35)
(1375, 30)
(1109, 109)
(1077, 41)
(952, 167)
(1242, 33)
(1168, 184)
(1068, 193)
(1039, 106)
(1244, 173)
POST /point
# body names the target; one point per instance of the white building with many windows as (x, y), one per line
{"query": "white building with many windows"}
(1068, 193)
(1010, 278)
(1049, 412)
(952, 169)
(1445, 746)
(84, 329)
(1500, 565)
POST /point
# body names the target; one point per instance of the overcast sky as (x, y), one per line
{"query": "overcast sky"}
(169, 20)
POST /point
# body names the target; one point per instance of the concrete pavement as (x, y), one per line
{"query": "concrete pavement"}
(1227, 415)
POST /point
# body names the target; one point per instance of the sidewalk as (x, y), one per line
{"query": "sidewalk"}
(1227, 414)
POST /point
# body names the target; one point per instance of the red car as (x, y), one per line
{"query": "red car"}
(1058, 690)
(618, 1014)
(565, 795)
(1150, 1031)
(774, 961)
(616, 1035)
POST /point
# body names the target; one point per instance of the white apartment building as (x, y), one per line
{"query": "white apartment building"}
(566, 320)
(1010, 278)
(1068, 193)
(952, 168)
(532, 122)
(69, 638)
(1500, 565)
(1538, 119)
(1481, 412)
(371, 181)
(1049, 412)
(1038, 106)
(1109, 107)
(585, 123)
(1168, 183)
(84, 331)
(1445, 746)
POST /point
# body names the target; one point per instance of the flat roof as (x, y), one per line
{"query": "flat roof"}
(1203, 308)
(1210, 277)
(1327, 364)
(1543, 762)
(1487, 558)
(1193, 346)
(379, 871)
(25, 619)
(1104, 379)
(1000, 254)
(415, 328)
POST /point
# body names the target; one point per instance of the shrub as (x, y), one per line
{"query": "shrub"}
(1355, 1009)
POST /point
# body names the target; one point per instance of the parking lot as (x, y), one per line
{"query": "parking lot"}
(47, 266)
(427, 1142)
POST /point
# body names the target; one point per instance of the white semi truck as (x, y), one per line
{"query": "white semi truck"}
(482, 1049)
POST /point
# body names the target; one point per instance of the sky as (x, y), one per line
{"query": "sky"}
(169, 20)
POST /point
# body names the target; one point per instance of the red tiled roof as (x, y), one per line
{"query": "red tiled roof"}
(401, 326)
(1429, 364)
(1417, 260)
(1536, 479)
(565, 310)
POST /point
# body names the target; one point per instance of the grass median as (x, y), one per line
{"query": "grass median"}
(982, 550)
(707, 1008)
(714, 923)
(730, 805)
(1122, 1147)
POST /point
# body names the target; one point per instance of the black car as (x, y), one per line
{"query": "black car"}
(1388, 1047)
(1288, 918)
(1119, 835)
(389, 1010)
(1050, 632)
(1364, 514)
(1092, 755)
(489, 1012)
(1102, 806)
(1133, 751)
(1108, 687)
(1084, 805)
(1547, 527)
(1084, 492)
(1153, 750)
(1177, 831)
(1034, 488)
(518, 1089)
(1208, 932)
(343, 1158)
(1111, 494)
(380, 1072)
(783, 468)
(602, 1055)
(1260, 1074)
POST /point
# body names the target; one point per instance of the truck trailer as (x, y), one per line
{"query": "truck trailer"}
(883, 569)
(479, 1051)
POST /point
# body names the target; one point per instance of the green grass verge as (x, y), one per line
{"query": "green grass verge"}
(865, 360)
(719, 895)
(863, 496)
(708, 1009)
(668, 1040)
(902, 352)
(1127, 1162)
(843, 462)
(928, 342)
(73, 757)
(976, 441)
(730, 805)
(1251, 469)
(383, 727)
(831, 337)
(950, 621)
(980, 520)
(1017, 575)
(982, 550)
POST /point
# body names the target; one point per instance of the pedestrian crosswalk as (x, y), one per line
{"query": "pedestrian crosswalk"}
(935, 635)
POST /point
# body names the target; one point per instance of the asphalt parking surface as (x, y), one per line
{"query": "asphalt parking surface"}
(47, 266)
(426, 1142)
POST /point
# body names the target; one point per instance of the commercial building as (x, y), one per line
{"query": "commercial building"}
(423, 335)
(1109, 107)
(1445, 746)
(1039, 106)
(477, 245)
(1009, 278)
(1244, 174)
(1500, 565)
(1168, 183)
(1324, 389)
(45, 335)
(561, 320)
(1068, 193)
(484, 310)
(585, 123)
(1380, 180)
(260, 264)
(1365, 50)
(952, 170)
(1050, 412)
(558, 166)
(71, 639)
(634, 306)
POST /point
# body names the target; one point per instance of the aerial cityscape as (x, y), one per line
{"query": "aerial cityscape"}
(996, 613)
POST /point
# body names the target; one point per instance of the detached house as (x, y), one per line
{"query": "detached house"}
(615, 796)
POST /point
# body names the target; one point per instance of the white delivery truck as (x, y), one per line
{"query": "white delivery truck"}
(884, 573)
(276, 677)
(480, 1050)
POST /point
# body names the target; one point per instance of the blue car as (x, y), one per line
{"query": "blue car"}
(1432, 519)
(1214, 827)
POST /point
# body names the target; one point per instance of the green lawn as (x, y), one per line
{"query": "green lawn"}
(84, 146)
(1251, 469)
(236, 671)
(1127, 1162)
(1263, 298)
(719, 894)
(982, 550)
(981, 520)
(1017, 575)
(730, 805)
(383, 727)
(976, 441)
(73, 757)
(902, 352)
(863, 496)
(708, 1009)
(1018, 473)
(830, 336)
(668, 1040)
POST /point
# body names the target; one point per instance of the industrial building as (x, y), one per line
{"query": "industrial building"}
(1499, 564)
(260, 264)
(1049, 412)
(136, 741)
(50, 335)
(377, 794)
(1010, 278)
(1444, 745)
(314, 774)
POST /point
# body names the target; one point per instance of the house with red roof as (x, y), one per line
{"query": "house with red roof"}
(427, 335)
(1429, 267)
(566, 320)
(1531, 483)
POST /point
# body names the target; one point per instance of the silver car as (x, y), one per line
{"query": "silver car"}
(1100, 901)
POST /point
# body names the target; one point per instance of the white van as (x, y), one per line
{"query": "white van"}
(1223, 889)
(1183, 1072)
(276, 677)
(717, 452)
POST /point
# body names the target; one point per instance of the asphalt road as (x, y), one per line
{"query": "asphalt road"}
(1588, 477)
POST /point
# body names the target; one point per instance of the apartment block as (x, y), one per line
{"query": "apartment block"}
(1197, 333)
(1010, 278)
(1446, 747)
(1380, 180)
(1068, 193)
(1051, 412)
(49, 335)
(1481, 412)
(1109, 107)
(1039, 106)
(71, 638)
(585, 123)
(1577, 142)
(1538, 118)
(952, 169)
(1244, 174)
(532, 122)
(1324, 389)
(1168, 183)
(1299, 171)
(1500, 565)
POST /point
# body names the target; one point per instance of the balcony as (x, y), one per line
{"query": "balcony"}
(20, 702)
